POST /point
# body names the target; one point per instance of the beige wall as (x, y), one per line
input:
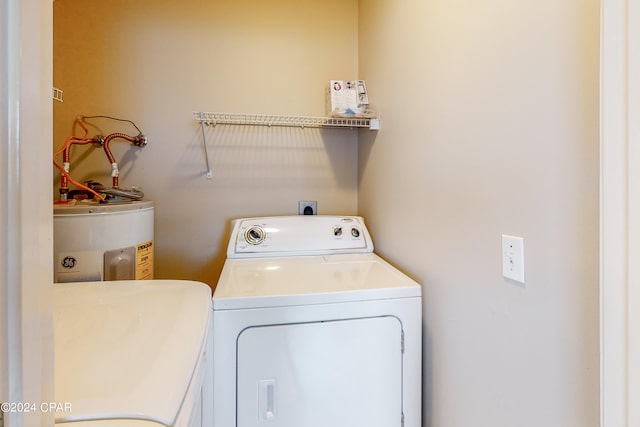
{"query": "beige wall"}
(156, 62)
(490, 127)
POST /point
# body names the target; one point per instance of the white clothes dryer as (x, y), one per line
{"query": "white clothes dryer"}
(313, 329)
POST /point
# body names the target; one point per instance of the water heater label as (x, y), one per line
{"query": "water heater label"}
(144, 260)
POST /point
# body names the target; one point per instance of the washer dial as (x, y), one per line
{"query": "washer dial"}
(254, 235)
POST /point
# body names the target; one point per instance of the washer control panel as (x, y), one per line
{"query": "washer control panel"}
(298, 235)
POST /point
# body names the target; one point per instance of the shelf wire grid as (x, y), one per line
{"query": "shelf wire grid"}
(213, 119)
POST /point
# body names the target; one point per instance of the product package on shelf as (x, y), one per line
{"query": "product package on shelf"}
(348, 98)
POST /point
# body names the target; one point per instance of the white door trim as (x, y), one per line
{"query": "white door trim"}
(26, 278)
(620, 213)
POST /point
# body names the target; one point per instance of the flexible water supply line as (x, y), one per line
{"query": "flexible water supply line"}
(133, 194)
(66, 160)
(65, 178)
(77, 184)
(138, 141)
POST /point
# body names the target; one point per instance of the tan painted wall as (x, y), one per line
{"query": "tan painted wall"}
(490, 127)
(156, 62)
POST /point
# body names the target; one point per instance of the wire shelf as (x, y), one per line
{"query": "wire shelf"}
(213, 119)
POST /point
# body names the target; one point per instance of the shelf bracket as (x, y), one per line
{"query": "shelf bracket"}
(204, 142)
(57, 94)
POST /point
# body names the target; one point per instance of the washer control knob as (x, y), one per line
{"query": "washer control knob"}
(337, 231)
(355, 232)
(254, 235)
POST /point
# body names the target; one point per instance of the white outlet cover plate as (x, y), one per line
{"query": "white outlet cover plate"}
(513, 257)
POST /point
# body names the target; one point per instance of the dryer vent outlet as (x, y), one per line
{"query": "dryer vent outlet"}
(306, 207)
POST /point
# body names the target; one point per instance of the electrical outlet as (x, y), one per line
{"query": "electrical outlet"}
(513, 258)
(307, 207)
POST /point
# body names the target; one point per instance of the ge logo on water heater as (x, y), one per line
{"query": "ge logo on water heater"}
(69, 262)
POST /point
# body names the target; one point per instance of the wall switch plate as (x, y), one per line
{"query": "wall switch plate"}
(307, 207)
(513, 258)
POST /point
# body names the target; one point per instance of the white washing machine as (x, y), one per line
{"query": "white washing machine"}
(313, 329)
(132, 353)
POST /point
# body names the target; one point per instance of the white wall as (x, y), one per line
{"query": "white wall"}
(490, 127)
(156, 62)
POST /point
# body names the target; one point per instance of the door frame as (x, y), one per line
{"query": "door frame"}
(619, 209)
(620, 213)
(26, 228)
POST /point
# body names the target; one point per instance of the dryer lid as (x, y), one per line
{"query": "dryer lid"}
(303, 280)
(128, 349)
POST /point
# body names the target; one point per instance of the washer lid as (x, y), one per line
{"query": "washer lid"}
(127, 349)
(302, 280)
